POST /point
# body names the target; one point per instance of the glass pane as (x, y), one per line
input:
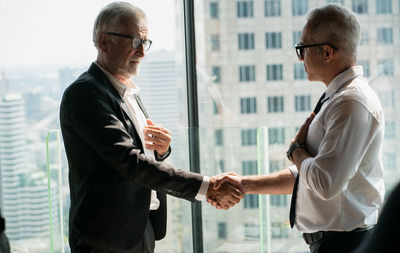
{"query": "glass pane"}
(34, 73)
(285, 98)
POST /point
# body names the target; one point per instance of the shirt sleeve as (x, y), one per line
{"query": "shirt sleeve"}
(349, 130)
(201, 194)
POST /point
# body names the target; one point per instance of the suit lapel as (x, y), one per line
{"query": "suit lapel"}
(98, 73)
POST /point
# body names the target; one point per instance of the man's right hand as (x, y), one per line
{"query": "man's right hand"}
(225, 191)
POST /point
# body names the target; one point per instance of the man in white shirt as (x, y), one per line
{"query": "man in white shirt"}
(118, 182)
(337, 174)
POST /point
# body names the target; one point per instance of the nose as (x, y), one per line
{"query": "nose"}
(140, 51)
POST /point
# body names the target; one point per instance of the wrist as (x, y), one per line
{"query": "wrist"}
(293, 147)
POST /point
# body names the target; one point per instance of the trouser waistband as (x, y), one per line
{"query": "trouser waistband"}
(310, 238)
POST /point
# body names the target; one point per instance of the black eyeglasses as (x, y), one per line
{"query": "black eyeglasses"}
(300, 48)
(136, 41)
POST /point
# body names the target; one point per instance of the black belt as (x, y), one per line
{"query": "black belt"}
(310, 238)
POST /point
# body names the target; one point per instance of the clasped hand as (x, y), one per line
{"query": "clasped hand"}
(225, 190)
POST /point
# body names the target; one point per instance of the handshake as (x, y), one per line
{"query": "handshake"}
(225, 190)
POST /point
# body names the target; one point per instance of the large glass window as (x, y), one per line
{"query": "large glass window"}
(246, 41)
(274, 72)
(360, 6)
(383, 6)
(272, 8)
(385, 36)
(248, 105)
(247, 73)
(273, 40)
(299, 7)
(302, 103)
(299, 72)
(214, 11)
(275, 104)
(249, 137)
(244, 8)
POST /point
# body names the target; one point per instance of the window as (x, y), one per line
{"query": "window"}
(250, 168)
(386, 68)
(222, 230)
(360, 6)
(215, 42)
(299, 72)
(279, 230)
(272, 8)
(251, 231)
(273, 40)
(364, 37)
(274, 72)
(249, 137)
(222, 165)
(246, 41)
(389, 161)
(275, 104)
(365, 65)
(216, 72)
(335, 2)
(276, 135)
(302, 103)
(245, 9)
(248, 105)
(299, 7)
(219, 137)
(383, 6)
(296, 37)
(276, 165)
(387, 99)
(214, 10)
(278, 200)
(385, 36)
(390, 130)
(215, 107)
(247, 73)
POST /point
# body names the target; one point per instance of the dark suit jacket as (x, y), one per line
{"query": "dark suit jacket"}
(110, 177)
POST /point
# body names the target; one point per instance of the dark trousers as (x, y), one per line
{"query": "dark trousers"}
(145, 245)
(343, 242)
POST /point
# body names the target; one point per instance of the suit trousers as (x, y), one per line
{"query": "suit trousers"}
(145, 245)
(343, 242)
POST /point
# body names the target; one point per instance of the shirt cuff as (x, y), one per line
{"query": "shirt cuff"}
(201, 194)
(294, 171)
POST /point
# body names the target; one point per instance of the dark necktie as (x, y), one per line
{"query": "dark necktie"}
(292, 213)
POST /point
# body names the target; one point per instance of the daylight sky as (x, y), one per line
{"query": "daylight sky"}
(43, 32)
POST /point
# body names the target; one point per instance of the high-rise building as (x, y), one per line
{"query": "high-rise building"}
(24, 191)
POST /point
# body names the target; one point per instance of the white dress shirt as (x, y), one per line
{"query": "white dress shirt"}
(127, 91)
(341, 187)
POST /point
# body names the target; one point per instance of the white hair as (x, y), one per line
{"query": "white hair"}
(336, 25)
(112, 16)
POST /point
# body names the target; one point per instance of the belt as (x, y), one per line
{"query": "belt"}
(310, 238)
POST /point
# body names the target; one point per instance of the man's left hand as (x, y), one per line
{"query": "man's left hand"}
(302, 133)
(157, 138)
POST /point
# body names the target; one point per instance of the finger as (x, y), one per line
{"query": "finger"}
(228, 179)
(238, 194)
(157, 134)
(149, 122)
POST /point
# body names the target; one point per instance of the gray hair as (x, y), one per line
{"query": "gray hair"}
(337, 25)
(112, 15)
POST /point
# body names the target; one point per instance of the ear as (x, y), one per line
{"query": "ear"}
(103, 42)
(328, 53)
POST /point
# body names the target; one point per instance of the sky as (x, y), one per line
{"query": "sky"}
(47, 32)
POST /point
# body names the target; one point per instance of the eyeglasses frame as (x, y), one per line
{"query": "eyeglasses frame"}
(142, 41)
(299, 46)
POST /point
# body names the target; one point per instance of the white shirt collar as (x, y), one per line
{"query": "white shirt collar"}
(343, 78)
(129, 87)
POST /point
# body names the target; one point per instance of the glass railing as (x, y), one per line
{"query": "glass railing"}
(36, 209)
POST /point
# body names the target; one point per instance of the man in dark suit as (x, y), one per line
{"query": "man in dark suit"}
(117, 178)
